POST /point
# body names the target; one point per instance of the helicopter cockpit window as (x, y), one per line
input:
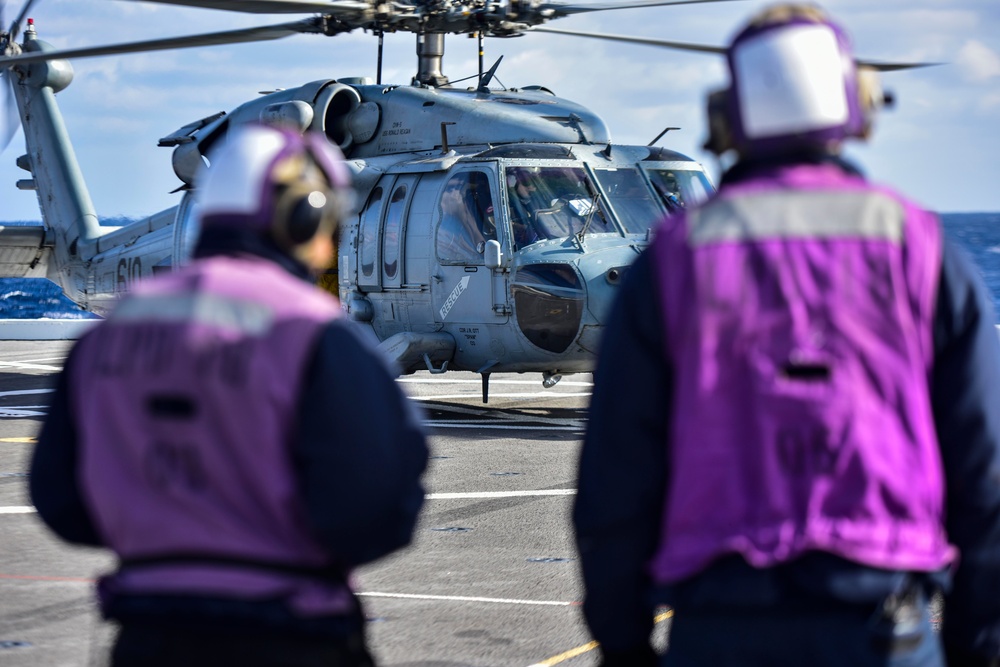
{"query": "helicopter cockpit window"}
(631, 198)
(393, 221)
(552, 203)
(467, 218)
(680, 188)
(369, 232)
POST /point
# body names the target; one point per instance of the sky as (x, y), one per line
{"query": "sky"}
(940, 144)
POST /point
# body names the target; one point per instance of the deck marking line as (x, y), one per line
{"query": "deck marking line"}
(28, 509)
(544, 420)
(500, 494)
(590, 646)
(563, 383)
(26, 440)
(539, 394)
(572, 653)
(467, 598)
(503, 427)
(24, 411)
(29, 366)
(32, 577)
(18, 509)
(24, 392)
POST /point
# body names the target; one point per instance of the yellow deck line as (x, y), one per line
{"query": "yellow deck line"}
(590, 646)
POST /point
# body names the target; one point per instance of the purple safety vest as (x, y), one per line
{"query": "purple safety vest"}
(185, 403)
(798, 310)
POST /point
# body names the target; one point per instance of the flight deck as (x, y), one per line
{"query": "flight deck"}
(491, 579)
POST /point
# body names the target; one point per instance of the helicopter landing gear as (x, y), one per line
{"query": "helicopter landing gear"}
(486, 387)
(551, 379)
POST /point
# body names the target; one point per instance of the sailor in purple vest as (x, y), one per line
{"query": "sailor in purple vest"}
(231, 438)
(794, 437)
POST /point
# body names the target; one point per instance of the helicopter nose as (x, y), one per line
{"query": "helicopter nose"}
(603, 272)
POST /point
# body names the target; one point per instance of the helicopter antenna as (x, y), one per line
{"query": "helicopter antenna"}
(661, 134)
(485, 79)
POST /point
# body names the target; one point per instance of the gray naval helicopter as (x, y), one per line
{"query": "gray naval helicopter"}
(493, 226)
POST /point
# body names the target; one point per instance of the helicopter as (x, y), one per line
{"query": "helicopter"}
(493, 225)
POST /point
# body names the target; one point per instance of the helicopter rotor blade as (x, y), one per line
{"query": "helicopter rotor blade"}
(704, 48)
(567, 10)
(9, 119)
(272, 6)
(15, 27)
(261, 33)
(892, 67)
(680, 46)
(5, 38)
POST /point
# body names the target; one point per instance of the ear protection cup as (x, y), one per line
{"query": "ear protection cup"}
(720, 134)
(299, 213)
(871, 97)
(307, 205)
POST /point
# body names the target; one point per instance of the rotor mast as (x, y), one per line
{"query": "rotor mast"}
(430, 55)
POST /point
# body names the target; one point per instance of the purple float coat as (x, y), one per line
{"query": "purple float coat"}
(186, 400)
(797, 313)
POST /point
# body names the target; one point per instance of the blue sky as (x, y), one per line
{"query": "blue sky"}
(940, 145)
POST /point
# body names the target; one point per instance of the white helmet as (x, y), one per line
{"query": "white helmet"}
(793, 84)
(276, 182)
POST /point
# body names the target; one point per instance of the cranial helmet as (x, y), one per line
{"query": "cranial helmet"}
(276, 182)
(793, 84)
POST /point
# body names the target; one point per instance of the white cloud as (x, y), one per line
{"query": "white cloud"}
(978, 62)
(638, 90)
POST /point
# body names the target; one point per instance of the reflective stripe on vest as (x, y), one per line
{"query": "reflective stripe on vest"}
(870, 215)
(210, 310)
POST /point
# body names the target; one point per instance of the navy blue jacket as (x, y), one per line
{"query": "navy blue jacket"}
(623, 475)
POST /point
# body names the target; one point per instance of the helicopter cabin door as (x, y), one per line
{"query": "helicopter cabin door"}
(467, 294)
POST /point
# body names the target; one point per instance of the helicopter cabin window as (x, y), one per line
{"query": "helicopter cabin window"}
(631, 198)
(393, 222)
(369, 233)
(467, 220)
(553, 203)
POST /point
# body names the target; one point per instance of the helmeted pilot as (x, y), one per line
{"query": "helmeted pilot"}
(230, 437)
(467, 218)
(794, 435)
(523, 200)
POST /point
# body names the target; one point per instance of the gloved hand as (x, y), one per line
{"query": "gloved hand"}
(640, 656)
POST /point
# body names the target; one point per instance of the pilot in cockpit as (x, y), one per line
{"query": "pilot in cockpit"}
(670, 192)
(523, 198)
(467, 217)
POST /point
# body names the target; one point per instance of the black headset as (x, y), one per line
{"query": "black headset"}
(304, 207)
(720, 133)
(299, 212)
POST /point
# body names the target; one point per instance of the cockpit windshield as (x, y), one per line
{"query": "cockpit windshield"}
(640, 208)
(679, 188)
(558, 202)
(553, 203)
(631, 198)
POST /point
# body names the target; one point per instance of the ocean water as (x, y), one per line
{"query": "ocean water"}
(977, 233)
